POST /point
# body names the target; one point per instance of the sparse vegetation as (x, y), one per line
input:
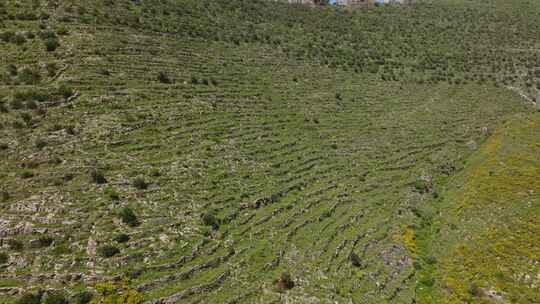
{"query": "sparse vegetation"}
(203, 147)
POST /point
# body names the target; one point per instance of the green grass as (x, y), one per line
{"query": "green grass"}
(300, 153)
(487, 234)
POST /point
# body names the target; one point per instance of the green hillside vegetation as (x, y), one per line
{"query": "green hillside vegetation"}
(487, 242)
(186, 151)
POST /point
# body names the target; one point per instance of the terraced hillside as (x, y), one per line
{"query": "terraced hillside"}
(484, 242)
(254, 152)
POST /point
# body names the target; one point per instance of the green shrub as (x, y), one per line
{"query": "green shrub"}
(31, 94)
(18, 124)
(431, 260)
(16, 104)
(3, 108)
(62, 30)
(355, 260)
(61, 249)
(155, 172)
(104, 72)
(421, 186)
(121, 238)
(285, 282)
(7, 36)
(47, 35)
(97, 177)
(65, 91)
(51, 68)
(140, 183)
(83, 297)
(107, 251)
(42, 242)
(18, 39)
(51, 44)
(112, 194)
(163, 77)
(474, 290)
(27, 15)
(15, 245)
(54, 298)
(209, 219)
(128, 217)
(4, 258)
(31, 105)
(70, 130)
(26, 117)
(26, 174)
(427, 281)
(4, 196)
(30, 298)
(40, 144)
(12, 69)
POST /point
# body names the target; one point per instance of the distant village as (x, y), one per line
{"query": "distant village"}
(351, 2)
